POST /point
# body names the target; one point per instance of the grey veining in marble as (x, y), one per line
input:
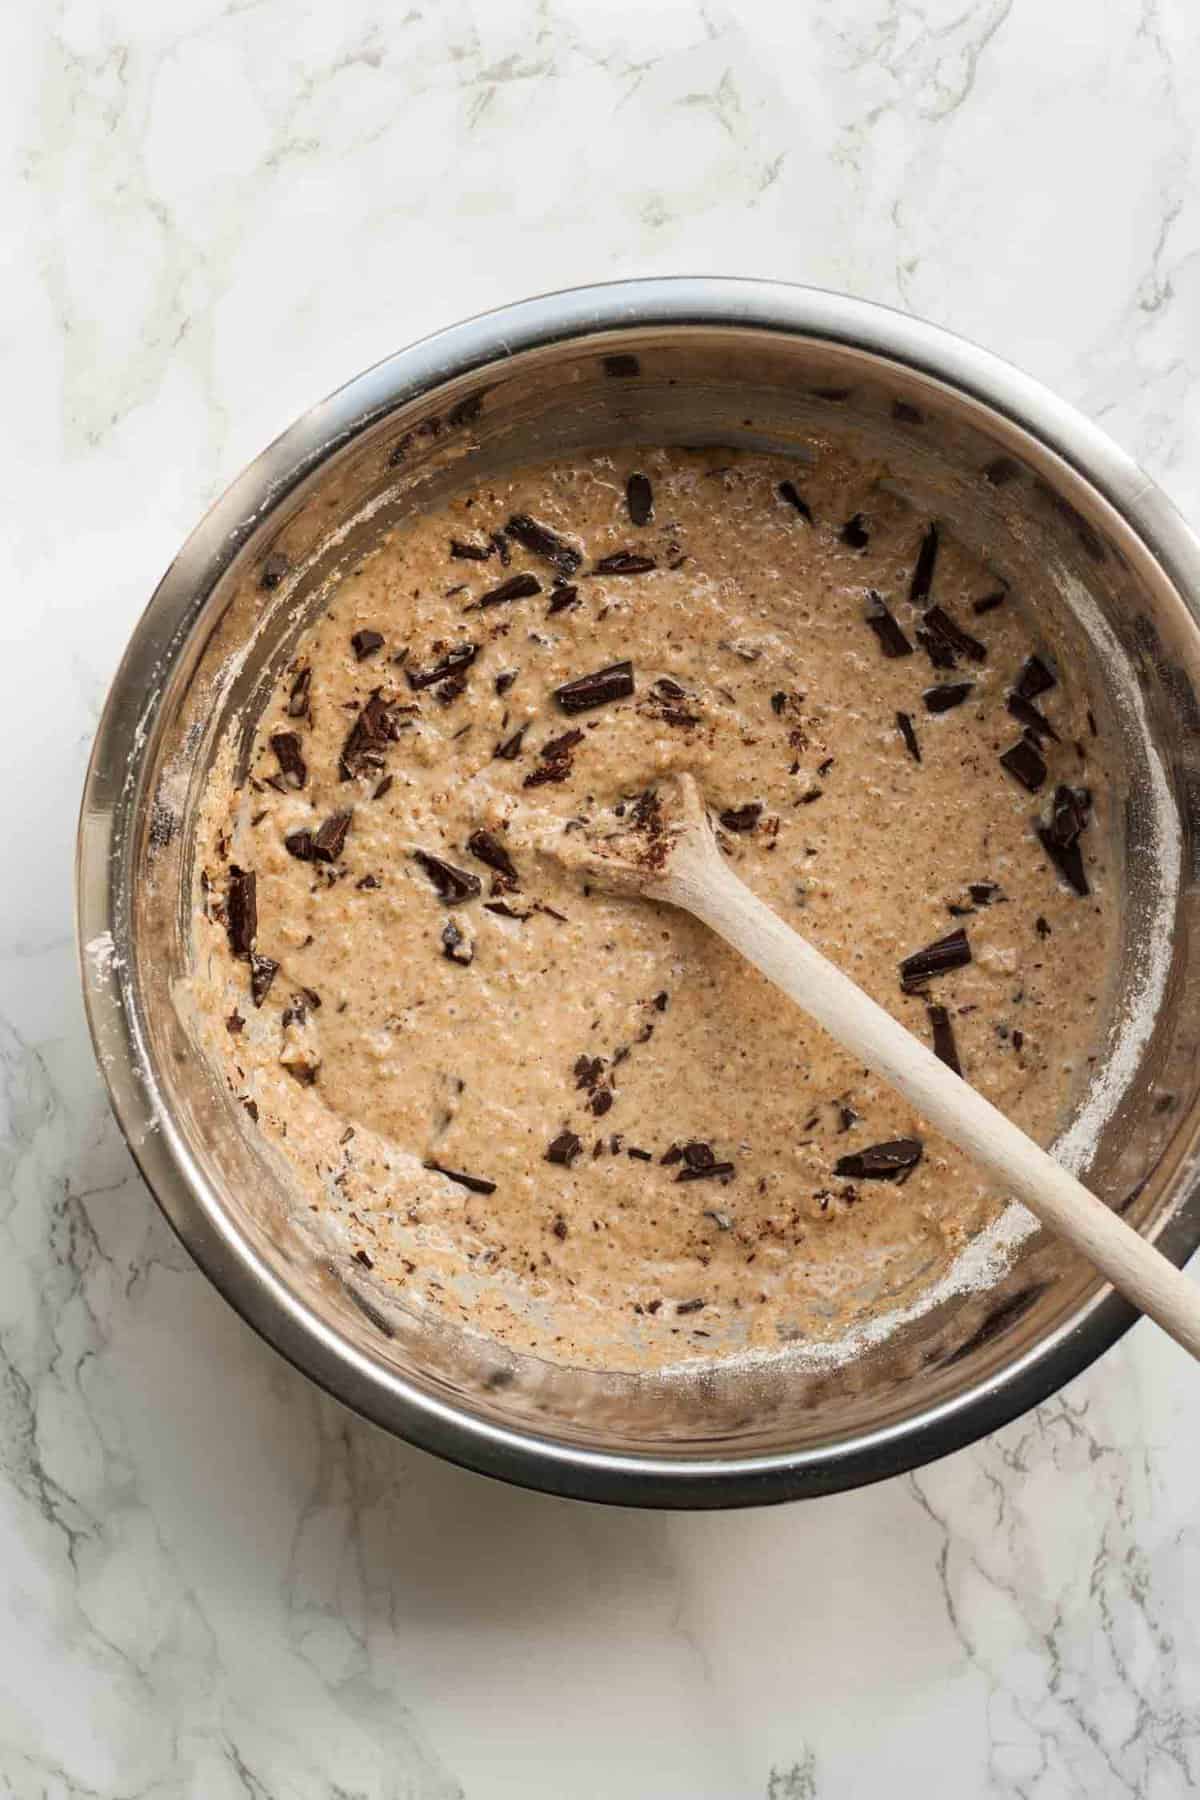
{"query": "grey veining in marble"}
(213, 1582)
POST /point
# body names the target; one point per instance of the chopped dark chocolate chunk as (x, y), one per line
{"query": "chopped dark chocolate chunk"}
(456, 946)
(937, 621)
(501, 546)
(944, 1046)
(1060, 839)
(909, 735)
(561, 599)
(234, 1023)
(788, 491)
(673, 1155)
(1024, 762)
(241, 910)
(465, 552)
(892, 640)
(741, 818)
(476, 1184)
(779, 703)
(564, 1149)
(922, 575)
(597, 689)
(517, 587)
(293, 768)
(946, 695)
(601, 1101)
(985, 893)
(711, 1171)
(368, 881)
(854, 532)
(1027, 713)
(847, 1117)
(300, 845)
(263, 970)
(698, 1155)
(881, 1162)
(505, 680)
(988, 603)
(639, 498)
(940, 653)
(461, 657)
(952, 952)
(377, 725)
(639, 1155)
(298, 694)
(1034, 679)
(454, 886)
(588, 1071)
(491, 851)
(539, 540)
(360, 1256)
(366, 643)
(510, 748)
(383, 787)
(624, 562)
(688, 1306)
(447, 692)
(329, 841)
(559, 1227)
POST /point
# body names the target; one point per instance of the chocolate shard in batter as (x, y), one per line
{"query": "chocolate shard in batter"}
(454, 886)
(491, 851)
(597, 689)
(854, 532)
(985, 893)
(505, 680)
(881, 1162)
(561, 599)
(298, 694)
(1024, 762)
(944, 1046)
(937, 621)
(988, 603)
(456, 946)
(1030, 717)
(1034, 679)
(329, 842)
(922, 575)
(712, 1171)
(377, 725)
(639, 499)
(564, 1149)
(461, 657)
(1060, 838)
(624, 562)
(366, 643)
(292, 765)
(539, 540)
(241, 910)
(952, 952)
(892, 640)
(263, 970)
(788, 491)
(688, 1306)
(465, 552)
(741, 818)
(475, 1184)
(905, 727)
(601, 1101)
(300, 845)
(509, 748)
(517, 587)
(946, 695)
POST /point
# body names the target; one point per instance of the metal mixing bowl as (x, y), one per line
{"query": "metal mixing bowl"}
(1009, 469)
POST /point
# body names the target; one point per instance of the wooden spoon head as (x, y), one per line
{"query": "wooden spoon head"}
(665, 829)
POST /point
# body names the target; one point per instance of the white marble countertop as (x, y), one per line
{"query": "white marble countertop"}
(213, 1582)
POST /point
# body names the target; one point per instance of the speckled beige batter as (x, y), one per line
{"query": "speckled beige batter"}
(582, 1057)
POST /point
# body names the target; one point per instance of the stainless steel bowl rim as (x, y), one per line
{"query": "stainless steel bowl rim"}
(196, 1211)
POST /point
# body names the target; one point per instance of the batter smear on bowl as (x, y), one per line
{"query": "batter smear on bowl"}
(578, 1122)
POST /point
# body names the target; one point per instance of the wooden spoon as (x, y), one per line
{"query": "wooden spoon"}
(677, 860)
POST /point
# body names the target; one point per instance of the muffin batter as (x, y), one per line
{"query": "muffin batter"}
(579, 1122)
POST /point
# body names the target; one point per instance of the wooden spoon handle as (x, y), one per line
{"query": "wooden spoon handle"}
(706, 886)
